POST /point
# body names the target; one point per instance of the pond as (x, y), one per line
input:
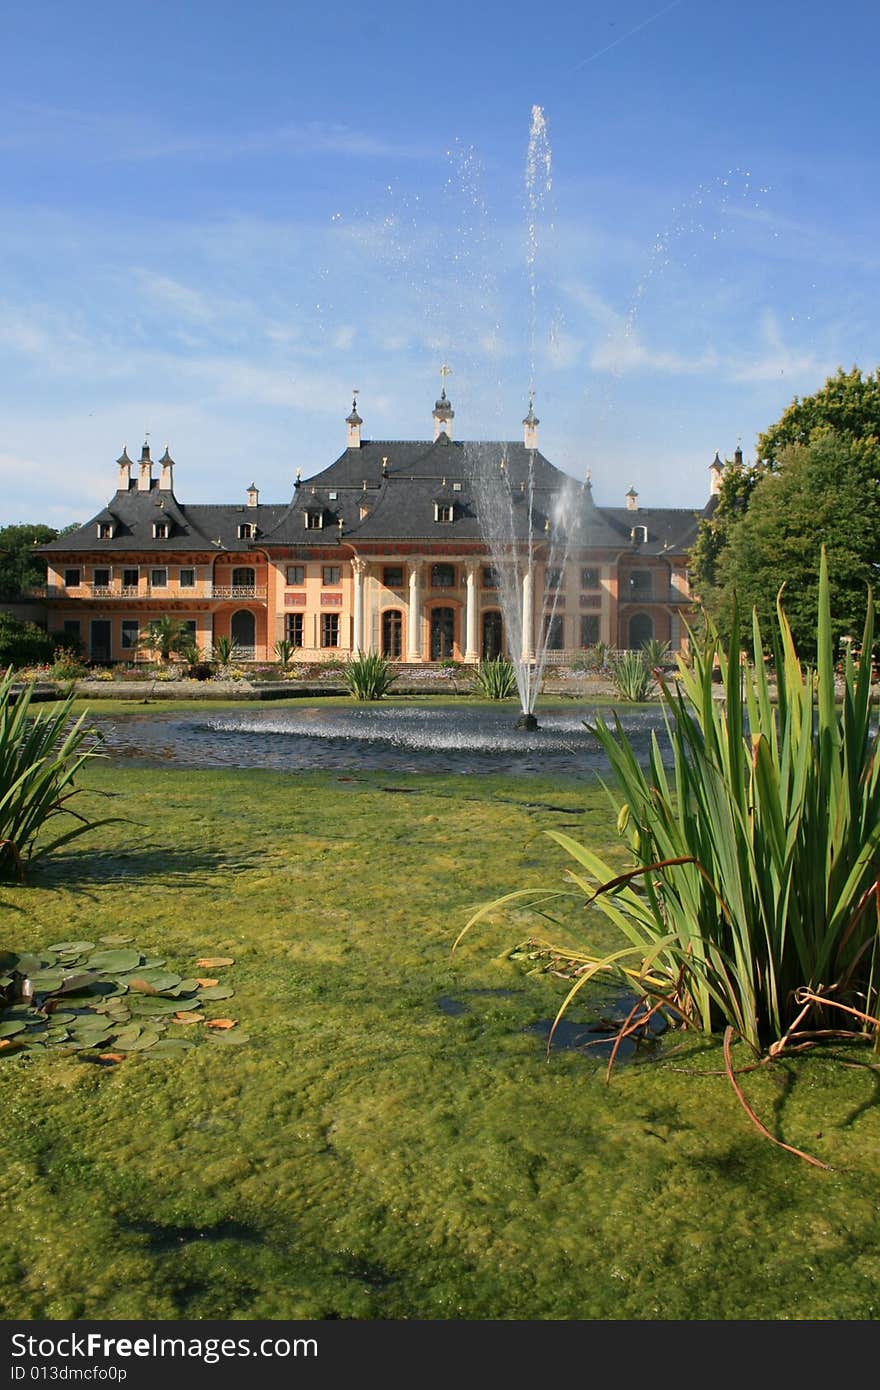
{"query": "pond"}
(463, 738)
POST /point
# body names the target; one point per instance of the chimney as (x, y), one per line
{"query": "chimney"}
(166, 477)
(123, 481)
(145, 475)
(716, 473)
(354, 423)
(530, 426)
(632, 500)
(253, 495)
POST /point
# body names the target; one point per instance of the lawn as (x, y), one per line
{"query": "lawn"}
(392, 1142)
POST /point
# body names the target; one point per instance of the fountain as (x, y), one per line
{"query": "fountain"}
(522, 523)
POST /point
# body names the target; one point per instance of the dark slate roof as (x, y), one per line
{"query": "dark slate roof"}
(669, 528)
(404, 479)
(134, 512)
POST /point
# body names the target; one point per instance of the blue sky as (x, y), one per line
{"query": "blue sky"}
(218, 219)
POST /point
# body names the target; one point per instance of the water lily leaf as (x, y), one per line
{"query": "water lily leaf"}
(230, 1038)
(187, 1016)
(222, 1022)
(76, 984)
(71, 948)
(25, 962)
(5, 981)
(11, 1026)
(115, 960)
(185, 987)
(216, 992)
(152, 963)
(47, 981)
(207, 983)
(153, 981)
(173, 1045)
(145, 1004)
(211, 962)
(148, 1038)
(117, 939)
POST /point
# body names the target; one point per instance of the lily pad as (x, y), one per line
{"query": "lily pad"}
(229, 1039)
(71, 948)
(216, 992)
(165, 1045)
(153, 981)
(116, 939)
(10, 1026)
(116, 960)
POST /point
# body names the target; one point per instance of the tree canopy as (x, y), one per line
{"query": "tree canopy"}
(20, 568)
(816, 481)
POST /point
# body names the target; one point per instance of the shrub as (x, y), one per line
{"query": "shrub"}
(656, 653)
(369, 676)
(224, 652)
(284, 651)
(24, 644)
(40, 756)
(632, 675)
(496, 678)
(753, 904)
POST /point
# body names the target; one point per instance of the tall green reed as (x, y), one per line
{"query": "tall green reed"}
(754, 900)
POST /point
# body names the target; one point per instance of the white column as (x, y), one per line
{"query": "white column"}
(414, 620)
(358, 566)
(527, 621)
(472, 651)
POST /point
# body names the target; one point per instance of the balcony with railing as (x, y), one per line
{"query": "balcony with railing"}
(130, 593)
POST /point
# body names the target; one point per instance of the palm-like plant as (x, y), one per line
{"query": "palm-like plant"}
(496, 678)
(632, 675)
(225, 651)
(40, 756)
(755, 897)
(167, 637)
(369, 676)
(284, 650)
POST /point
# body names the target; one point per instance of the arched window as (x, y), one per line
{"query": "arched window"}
(641, 630)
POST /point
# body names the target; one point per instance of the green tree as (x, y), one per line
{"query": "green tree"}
(20, 568)
(848, 403)
(24, 644)
(824, 492)
(713, 537)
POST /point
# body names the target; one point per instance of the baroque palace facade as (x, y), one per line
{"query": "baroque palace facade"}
(384, 550)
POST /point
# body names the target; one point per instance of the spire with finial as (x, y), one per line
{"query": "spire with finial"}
(354, 423)
(530, 425)
(443, 413)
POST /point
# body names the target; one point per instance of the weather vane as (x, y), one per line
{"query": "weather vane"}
(444, 373)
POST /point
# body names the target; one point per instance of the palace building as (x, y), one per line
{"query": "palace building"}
(386, 550)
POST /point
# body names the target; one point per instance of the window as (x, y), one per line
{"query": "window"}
(161, 530)
(443, 576)
(641, 583)
(130, 578)
(293, 628)
(639, 535)
(71, 579)
(589, 629)
(444, 511)
(101, 578)
(392, 576)
(105, 530)
(392, 633)
(158, 579)
(331, 574)
(243, 577)
(130, 633)
(490, 577)
(332, 496)
(456, 487)
(187, 579)
(190, 625)
(71, 628)
(554, 579)
(295, 574)
(329, 629)
(246, 531)
(589, 578)
(314, 521)
(554, 630)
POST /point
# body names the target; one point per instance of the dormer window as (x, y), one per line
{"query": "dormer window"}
(105, 530)
(639, 535)
(444, 511)
(314, 521)
(246, 531)
(161, 530)
(332, 496)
